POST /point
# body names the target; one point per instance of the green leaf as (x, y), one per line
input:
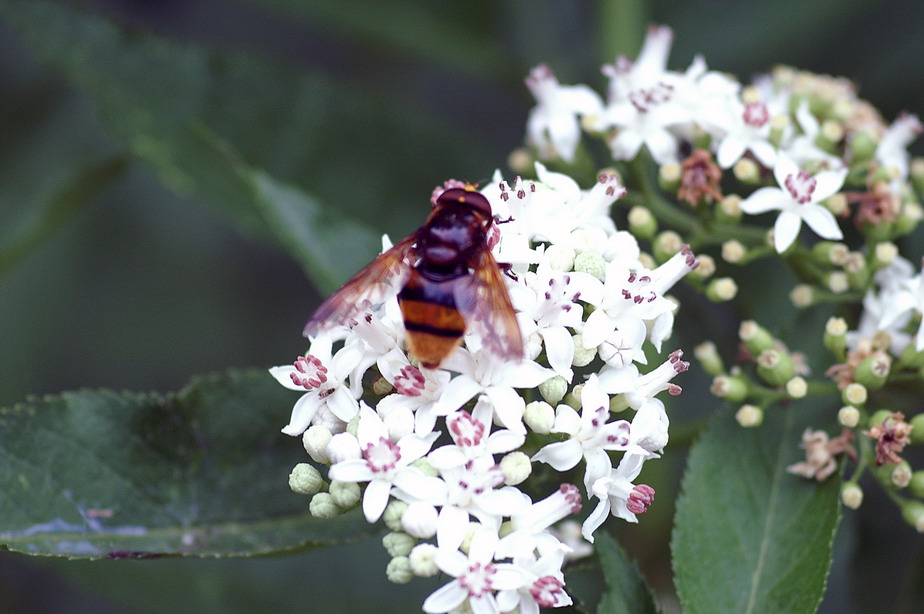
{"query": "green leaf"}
(750, 537)
(92, 474)
(626, 590)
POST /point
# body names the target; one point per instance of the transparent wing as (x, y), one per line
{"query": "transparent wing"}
(483, 301)
(373, 284)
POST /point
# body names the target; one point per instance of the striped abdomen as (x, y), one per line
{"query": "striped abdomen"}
(433, 323)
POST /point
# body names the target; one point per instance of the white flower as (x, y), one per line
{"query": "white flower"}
(553, 125)
(909, 298)
(325, 381)
(417, 390)
(385, 463)
(619, 496)
(590, 435)
(473, 438)
(892, 151)
(797, 198)
(477, 577)
(747, 129)
(531, 525)
(801, 148)
(544, 587)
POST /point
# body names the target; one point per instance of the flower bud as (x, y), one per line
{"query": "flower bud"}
(775, 367)
(733, 388)
(422, 561)
(721, 290)
(746, 171)
(398, 570)
(901, 474)
(642, 223)
(835, 337)
(516, 468)
(520, 160)
(873, 371)
(884, 254)
(916, 486)
(316, 439)
(343, 446)
(797, 387)
(669, 176)
(539, 417)
(802, 296)
(830, 252)
(582, 356)
(322, 506)
(381, 386)
(836, 204)
(831, 133)
(916, 173)
(837, 282)
(399, 422)
(854, 394)
(908, 219)
(419, 520)
(708, 357)
(665, 245)
(426, 467)
(560, 257)
(305, 479)
(851, 495)
(394, 511)
(573, 398)
(553, 389)
(880, 416)
(592, 263)
(917, 429)
(345, 494)
(749, 416)
(862, 146)
(706, 267)
(397, 543)
(734, 251)
(848, 416)
(589, 239)
(755, 337)
(913, 513)
(729, 209)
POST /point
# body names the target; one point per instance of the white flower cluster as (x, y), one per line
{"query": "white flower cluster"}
(807, 129)
(441, 452)
(899, 299)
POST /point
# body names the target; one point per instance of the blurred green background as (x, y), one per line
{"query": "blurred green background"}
(117, 270)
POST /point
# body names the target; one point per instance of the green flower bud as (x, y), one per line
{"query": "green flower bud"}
(706, 267)
(422, 561)
(775, 367)
(573, 398)
(835, 337)
(848, 416)
(322, 506)
(425, 467)
(884, 254)
(733, 388)
(642, 223)
(917, 429)
(669, 176)
(797, 387)
(913, 513)
(393, 513)
(863, 146)
(398, 543)
(592, 263)
(582, 356)
(916, 486)
(854, 394)
(734, 251)
(516, 468)
(708, 357)
(873, 371)
(755, 337)
(345, 494)
(908, 219)
(880, 416)
(560, 257)
(665, 245)
(381, 386)
(830, 252)
(721, 290)
(398, 570)
(729, 209)
(916, 172)
(746, 171)
(802, 296)
(618, 403)
(305, 479)
(901, 474)
(553, 390)
(539, 416)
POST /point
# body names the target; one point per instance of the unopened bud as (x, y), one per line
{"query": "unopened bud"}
(913, 513)
(851, 495)
(394, 512)
(901, 474)
(345, 494)
(729, 209)
(746, 171)
(559, 257)
(582, 356)
(381, 386)
(553, 389)
(706, 267)
(802, 296)
(836, 204)
(908, 219)
(422, 560)
(797, 387)
(316, 440)
(884, 254)
(642, 223)
(669, 176)
(835, 336)
(398, 570)
(917, 429)
(749, 416)
(721, 290)
(516, 468)
(848, 416)
(755, 337)
(592, 263)
(775, 367)
(862, 146)
(322, 506)
(854, 394)
(398, 543)
(733, 388)
(830, 252)
(916, 486)
(708, 357)
(305, 479)
(573, 398)
(733, 251)
(666, 244)
(539, 417)
(837, 282)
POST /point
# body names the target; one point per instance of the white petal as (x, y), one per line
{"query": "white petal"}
(764, 152)
(444, 599)
(457, 393)
(765, 199)
(559, 349)
(597, 328)
(595, 519)
(821, 220)
(351, 470)
(283, 375)
(452, 528)
(375, 499)
(303, 412)
(827, 183)
(730, 151)
(784, 167)
(562, 455)
(785, 230)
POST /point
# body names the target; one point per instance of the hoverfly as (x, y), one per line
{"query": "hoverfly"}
(446, 280)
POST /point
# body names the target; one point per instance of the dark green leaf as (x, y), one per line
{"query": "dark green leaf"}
(93, 474)
(750, 537)
(626, 590)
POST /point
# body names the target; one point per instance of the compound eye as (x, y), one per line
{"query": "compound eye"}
(475, 200)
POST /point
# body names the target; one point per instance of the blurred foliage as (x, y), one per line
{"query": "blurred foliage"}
(134, 228)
